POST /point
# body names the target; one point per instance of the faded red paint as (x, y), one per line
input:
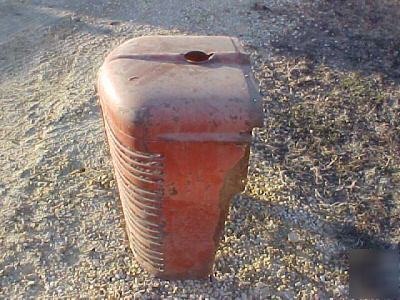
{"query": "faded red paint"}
(178, 112)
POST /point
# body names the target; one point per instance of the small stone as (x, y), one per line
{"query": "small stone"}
(119, 276)
(262, 290)
(137, 295)
(293, 237)
(31, 282)
(281, 272)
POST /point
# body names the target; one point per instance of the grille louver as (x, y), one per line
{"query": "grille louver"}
(140, 184)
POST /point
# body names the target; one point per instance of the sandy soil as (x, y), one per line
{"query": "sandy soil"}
(324, 174)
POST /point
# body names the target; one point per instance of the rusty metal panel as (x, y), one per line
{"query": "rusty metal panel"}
(178, 112)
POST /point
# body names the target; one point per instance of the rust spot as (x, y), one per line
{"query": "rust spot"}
(133, 78)
(173, 191)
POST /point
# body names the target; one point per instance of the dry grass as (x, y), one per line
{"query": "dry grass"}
(328, 162)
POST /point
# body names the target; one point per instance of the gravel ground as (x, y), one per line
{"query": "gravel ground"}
(324, 175)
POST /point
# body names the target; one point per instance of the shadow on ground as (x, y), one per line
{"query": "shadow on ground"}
(358, 35)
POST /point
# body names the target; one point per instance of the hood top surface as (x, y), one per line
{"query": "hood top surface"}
(158, 87)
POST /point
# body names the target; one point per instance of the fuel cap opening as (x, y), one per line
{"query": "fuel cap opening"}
(197, 57)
